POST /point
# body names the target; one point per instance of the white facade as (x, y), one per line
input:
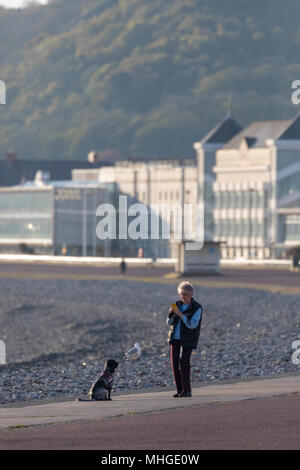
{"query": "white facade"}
(164, 187)
(247, 179)
(257, 192)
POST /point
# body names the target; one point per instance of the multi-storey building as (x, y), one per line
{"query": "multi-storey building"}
(257, 190)
(170, 183)
(162, 187)
(248, 180)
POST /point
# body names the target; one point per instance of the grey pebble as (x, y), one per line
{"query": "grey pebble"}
(59, 334)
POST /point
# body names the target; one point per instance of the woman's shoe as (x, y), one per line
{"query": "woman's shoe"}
(187, 394)
(177, 395)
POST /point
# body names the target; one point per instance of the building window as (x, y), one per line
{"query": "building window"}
(260, 199)
(289, 185)
(217, 228)
(223, 201)
(221, 228)
(244, 228)
(259, 229)
(292, 227)
(266, 199)
(245, 201)
(231, 199)
(224, 228)
(230, 228)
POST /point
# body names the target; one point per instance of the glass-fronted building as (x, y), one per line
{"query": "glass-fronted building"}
(56, 218)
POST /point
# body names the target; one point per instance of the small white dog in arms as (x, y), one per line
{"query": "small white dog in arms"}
(2, 353)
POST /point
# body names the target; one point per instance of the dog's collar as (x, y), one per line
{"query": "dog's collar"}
(106, 373)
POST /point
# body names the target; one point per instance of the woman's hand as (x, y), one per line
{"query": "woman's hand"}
(178, 313)
(176, 310)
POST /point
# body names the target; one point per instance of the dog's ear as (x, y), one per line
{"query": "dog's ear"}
(112, 363)
(116, 364)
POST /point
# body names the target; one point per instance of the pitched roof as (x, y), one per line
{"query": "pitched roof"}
(258, 132)
(223, 132)
(293, 130)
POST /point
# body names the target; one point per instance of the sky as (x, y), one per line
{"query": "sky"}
(17, 3)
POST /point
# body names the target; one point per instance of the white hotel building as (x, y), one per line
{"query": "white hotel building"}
(248, 180)
(257, 190)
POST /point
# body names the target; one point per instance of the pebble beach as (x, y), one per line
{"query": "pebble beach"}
(59, 334)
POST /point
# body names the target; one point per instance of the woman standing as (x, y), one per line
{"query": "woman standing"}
(185, 320)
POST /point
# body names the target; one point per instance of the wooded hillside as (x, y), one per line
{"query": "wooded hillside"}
(147, 77)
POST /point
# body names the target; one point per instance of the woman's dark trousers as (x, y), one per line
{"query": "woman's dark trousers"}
(181, 367)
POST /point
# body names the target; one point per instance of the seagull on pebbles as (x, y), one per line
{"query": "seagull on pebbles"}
(133, 353)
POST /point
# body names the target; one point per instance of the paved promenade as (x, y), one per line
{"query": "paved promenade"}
(130, 419)
(262, 413)
(275, 280)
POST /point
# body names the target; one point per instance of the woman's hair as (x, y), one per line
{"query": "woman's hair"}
(186, 286)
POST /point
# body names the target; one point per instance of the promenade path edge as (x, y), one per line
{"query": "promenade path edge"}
(27, 415)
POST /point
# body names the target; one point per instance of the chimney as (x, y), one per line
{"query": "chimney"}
(11, 156)
(93, 157)
(41, 178)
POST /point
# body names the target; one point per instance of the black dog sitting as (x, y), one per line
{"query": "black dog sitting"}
(101, 388)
